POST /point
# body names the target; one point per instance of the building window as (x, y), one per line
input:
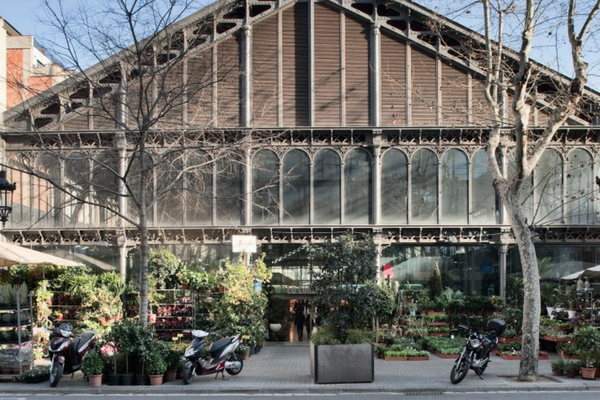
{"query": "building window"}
(327, 190)
(77, 183)
(170, 196)
(424, 177)
(199, 189)
(296, 188)
(484, 195)
(230, 190)
(455, 187)
(394, 187)
(549, 188)
(265, 188)
(580, 187)
(358, 199)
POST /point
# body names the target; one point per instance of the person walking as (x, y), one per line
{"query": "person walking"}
(299, 322)
(309, 323)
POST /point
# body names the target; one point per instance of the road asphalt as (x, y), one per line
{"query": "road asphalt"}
(283, 368)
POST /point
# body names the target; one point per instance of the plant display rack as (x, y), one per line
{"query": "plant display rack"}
(16, 336)
(175, 314)
(65, 308)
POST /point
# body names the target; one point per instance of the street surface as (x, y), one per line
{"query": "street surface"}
(585, 395)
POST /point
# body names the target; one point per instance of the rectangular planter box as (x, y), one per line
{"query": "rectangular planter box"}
(342, 363)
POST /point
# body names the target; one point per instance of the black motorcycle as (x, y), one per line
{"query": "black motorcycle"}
(478, 347)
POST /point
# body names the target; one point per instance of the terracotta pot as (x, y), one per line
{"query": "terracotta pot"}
(588, 373)
(156, 380)
(95, 380)
(170, 375)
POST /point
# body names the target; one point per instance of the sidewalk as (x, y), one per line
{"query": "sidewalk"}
(284, 368)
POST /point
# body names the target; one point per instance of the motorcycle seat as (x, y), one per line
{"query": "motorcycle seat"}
(218, 345)
(80, 341)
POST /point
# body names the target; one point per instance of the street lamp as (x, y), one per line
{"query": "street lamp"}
(6, 197)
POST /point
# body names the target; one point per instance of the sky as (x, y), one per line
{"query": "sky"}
(25, 16)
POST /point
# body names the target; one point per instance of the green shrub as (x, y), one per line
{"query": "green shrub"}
(93, 364)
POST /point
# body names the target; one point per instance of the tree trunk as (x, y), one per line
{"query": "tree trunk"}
(528, 368)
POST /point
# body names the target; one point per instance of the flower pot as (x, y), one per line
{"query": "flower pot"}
(126, 379)
(95, 380)
(113, 379)
(156, 380)
(140, 379)
(588, 373)
(170, 375)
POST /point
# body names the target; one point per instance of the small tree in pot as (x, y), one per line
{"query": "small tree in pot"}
(587, 340)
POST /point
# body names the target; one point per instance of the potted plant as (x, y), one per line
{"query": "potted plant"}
(244, 351)
(343, 298)
(558, 366)
(587, 340)
(93, 366)
(156, 361)
(173, 360)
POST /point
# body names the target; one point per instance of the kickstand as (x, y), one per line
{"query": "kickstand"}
(479, 374)
(222, 376)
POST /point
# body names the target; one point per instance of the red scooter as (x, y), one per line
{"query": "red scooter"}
(67, 351)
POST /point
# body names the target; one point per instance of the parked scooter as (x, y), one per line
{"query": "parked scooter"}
(67, 351)
(219, 356)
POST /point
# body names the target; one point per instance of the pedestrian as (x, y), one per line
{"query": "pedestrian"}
(309, 324)
(299, 322)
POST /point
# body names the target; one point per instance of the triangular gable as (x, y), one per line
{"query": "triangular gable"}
(295, 64)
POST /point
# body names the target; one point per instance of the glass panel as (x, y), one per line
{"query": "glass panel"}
(549, 188)
(78, 184)
(484, 194)
(327, 187)
(455, 187)
(134, 185)
(580, 187)
(230, 190)
(46, 199)
(394, 187)
(265, 188)
(358, 199)
(424, 186)
(296, 187)
(199, 189)
(169, 192)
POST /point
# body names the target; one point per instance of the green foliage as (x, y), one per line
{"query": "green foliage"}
(435, 282)
(93, 364)
(324, 335)
(514, 291)
(346, 266)
(241, 309)
(131, 337)
(164, 266)
(587, 340)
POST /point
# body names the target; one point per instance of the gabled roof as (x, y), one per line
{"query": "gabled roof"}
(402, 18)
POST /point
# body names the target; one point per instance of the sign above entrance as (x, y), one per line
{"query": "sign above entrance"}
(243, 243)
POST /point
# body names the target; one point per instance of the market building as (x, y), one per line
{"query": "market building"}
(376, 124)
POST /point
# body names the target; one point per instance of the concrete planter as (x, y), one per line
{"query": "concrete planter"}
(342, 363)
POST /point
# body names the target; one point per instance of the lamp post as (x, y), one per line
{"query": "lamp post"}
(6, 197)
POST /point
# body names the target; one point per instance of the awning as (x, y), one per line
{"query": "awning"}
(12, 254)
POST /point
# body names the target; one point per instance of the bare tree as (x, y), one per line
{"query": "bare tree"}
(151, 99)
(520, 80)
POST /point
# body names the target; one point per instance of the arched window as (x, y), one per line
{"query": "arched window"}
(394, 187)
(78, 184)
(169, 194)
(424, 191)
(455, 187)
(580, 187)
(484, 195)
(230, 189)
(327, 187)
(549, 188)
(265, 188)
(296, 187)
(526, 195)
(358, 199)
(105, 167)
(47, 200)
(199, 189)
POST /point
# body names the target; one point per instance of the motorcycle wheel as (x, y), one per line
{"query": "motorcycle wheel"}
(235, 358)
(188, 373)
(459, 371)
(56, 371)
